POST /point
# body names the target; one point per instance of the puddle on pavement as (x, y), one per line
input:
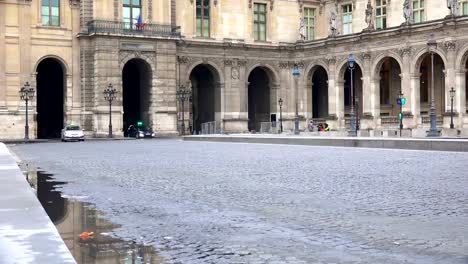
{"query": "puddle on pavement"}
(73, 218)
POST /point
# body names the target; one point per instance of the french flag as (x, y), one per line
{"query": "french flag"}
(139, 25)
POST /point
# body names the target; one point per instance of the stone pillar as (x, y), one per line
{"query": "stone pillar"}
(450, 81)
(409, 88)
(339, 102)
(459, 101)
(414, 100)
(367, 94)
(375, 100)
(235, 96)
(74, 104)
(3, 83)
(333, 90)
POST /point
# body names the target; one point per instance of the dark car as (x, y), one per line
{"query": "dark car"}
(138, 132)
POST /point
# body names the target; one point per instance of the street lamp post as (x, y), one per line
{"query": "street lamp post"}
(280, 102)
(109, 95)
(182, 95)
(351, 66)
(296, 117)
(26, 94)
(432, 46)
(452, 94)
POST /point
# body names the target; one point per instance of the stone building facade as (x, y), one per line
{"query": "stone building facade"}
(236, 58)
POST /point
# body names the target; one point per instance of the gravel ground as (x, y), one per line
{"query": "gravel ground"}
(202, 202)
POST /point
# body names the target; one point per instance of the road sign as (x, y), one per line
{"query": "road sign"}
(401, 101)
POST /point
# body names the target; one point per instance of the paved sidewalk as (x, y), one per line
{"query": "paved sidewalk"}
(439, 144)
(27, 233)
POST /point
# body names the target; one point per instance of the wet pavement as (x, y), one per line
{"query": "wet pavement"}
(199, 202)
(84, 229)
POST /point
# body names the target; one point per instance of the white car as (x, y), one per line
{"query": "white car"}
(72, 132)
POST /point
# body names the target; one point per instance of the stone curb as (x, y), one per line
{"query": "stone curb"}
(27, 233)
(458, 145)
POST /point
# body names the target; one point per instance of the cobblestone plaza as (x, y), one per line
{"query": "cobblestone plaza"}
(250, 203)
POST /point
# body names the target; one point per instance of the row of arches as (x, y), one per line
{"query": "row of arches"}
(205, 105)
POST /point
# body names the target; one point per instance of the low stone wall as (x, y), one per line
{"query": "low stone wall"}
(391, 143)
(27, 233)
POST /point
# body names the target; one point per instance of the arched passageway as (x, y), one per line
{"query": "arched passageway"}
(357, 92)
(319, 92)
(50, 98)
(258, 98)
(425, 85)
(389, 87)
(136, 80)
(205, 96)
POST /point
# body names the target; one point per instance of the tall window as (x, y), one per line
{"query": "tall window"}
(203, 18)
(309, 23)
(50, 12)
(131, 11)
(347, 19)
(418, 11)
(463, 10)
(381, 14)
(260, 22)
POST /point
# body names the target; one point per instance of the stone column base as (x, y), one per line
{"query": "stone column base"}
(235, 126)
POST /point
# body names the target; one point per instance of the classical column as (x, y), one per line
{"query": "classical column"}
(333, 89)
(410, 88)
(450, 81)
(3, 86)
(74, 98)
(375, 100)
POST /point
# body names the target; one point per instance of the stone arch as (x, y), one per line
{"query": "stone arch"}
(343, 65)
(206, 102)
(62, 62)
(421, 54)
(130, 56)
(215, 69)
(461, 59)
(317, 90)
(270, 70)
(137, 85)
(379, 60)
(313, 66)
(52, 92)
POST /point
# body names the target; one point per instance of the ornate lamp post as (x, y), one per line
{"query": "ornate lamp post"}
(26, 94)
(109, 95)
(280, 102)
(182, 95)
(452, 94)
(296, 117)
(351, 66)
(432, 46)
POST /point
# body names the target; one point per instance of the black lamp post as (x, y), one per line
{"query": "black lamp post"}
(296, 117)
(182, 95)
(351, 66)
(109, 95)
(432, 46)
(280, 102)
(26, 94)
(452, 94)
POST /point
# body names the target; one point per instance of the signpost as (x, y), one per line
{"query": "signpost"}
(401, 101)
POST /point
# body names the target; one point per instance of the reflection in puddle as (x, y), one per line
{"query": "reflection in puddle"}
(83, 229)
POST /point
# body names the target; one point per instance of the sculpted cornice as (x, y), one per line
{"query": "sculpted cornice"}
(272, 2)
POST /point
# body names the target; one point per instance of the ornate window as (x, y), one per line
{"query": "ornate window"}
(131, 12)
(309, 23)
(347, 11)
(50, 12)
(260, 22)
(381, 14)
(418, 11)
(203, 18)
(463, 9)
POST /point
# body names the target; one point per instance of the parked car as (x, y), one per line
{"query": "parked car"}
(138, 132)
(72, 132)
